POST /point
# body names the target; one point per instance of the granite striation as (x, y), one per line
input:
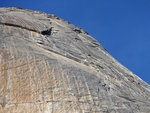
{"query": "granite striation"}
(48, 65)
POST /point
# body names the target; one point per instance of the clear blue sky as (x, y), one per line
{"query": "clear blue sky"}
(121, 26)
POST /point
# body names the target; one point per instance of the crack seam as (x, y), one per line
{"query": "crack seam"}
(18, 26)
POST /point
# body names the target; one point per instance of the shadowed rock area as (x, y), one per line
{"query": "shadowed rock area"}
(48, 65)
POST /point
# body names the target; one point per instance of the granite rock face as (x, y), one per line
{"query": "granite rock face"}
(48, 65)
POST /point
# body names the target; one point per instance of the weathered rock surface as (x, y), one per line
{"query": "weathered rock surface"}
(48, 65)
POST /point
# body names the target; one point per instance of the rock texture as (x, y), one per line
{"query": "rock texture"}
(48, 65)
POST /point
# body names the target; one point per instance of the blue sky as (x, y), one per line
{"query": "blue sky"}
(121, 26)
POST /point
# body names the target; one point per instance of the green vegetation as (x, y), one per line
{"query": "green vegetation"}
(19, 8)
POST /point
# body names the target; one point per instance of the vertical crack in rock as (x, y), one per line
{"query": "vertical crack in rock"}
(4, 78)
